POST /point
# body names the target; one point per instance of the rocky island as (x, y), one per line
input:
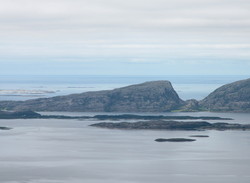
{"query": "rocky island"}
(19, 115)
(35, 115)
(4, 128)
(233, 97)
(154, 96)
(174, 140)
(200, 136)
(155, 117)
(172, 125)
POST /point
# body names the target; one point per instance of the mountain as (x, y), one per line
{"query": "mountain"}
(155, 96)
(233, 97)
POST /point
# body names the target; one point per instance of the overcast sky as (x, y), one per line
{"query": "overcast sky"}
(128, 37)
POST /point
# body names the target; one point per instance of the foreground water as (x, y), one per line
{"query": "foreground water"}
(62, 151)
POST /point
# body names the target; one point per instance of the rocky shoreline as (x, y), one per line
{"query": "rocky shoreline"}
(156, 117)
(172, 125)
(5, 128)
(35, 115)
(153, 96)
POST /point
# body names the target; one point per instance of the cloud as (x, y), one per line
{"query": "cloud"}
(131, 15)
(131, 31)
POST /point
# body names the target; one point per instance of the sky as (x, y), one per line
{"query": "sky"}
(118, 37)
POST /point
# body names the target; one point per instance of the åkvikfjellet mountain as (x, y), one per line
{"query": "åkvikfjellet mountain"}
(233, 97)
(155, 96)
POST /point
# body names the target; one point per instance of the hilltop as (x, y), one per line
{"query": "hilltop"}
(233, 97)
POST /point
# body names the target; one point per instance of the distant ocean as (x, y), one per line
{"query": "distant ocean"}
(30, 87)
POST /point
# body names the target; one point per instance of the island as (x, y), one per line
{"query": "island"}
(5, 128)
(19, 115)
(174, 140)
(35, 115)
(202, 136)
(233, 97)
(156, 117)
(172, 125)
(152, 96)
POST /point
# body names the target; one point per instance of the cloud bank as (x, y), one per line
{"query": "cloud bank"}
(117, 33)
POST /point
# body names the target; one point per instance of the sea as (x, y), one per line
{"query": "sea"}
(63, 151)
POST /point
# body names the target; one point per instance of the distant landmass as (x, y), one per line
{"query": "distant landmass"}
(172, 125)
(174, 140)
(154, 96)
(233, 97)
(19, 115)
(149, 122)
(35, 115)
(4, 128)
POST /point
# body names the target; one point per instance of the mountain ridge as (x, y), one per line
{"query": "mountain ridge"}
(232, 97)
(151, 96)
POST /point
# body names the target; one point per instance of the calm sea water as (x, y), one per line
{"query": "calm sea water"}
(29, 87)
(63, 151)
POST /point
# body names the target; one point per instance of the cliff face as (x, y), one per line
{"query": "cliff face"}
(149, 96)
(156, 96)
(233, 97)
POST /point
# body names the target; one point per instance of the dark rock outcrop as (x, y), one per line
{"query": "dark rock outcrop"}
(201, 136)
(191, 105)
(233, 97)
(156, 96)
(5, 128)
(156, 125)
(155, 117)
(19, 115)
(174, 140)
(173, 125)
(32, 115)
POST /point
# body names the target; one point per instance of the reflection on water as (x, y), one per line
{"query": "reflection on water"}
(62, 151)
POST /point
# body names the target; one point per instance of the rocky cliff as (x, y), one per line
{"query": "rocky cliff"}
(233, 97)
(155, 96)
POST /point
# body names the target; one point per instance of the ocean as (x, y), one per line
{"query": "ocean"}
(62, 151)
